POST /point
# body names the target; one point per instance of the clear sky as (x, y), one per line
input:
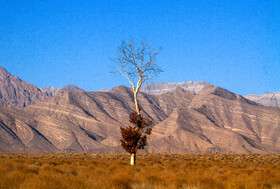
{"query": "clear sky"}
(233, 44)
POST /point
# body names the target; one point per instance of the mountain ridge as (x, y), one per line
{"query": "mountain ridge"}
(205, 119)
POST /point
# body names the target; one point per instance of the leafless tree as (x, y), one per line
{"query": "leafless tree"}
(137, 63)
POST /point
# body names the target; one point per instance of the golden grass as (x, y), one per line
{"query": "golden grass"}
(112, 171)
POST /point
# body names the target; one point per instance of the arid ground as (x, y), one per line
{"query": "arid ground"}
(82, 171)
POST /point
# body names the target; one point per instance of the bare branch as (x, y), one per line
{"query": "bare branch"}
(138, 63)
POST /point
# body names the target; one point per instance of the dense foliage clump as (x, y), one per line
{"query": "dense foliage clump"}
(134, 136)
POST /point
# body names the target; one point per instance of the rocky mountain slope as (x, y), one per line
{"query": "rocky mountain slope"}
(15, 92)
(198, 119)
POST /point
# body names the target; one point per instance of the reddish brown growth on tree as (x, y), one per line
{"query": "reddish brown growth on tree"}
(134, 137)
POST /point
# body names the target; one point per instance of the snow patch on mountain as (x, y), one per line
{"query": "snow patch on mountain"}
(267, 99)
(160, 88)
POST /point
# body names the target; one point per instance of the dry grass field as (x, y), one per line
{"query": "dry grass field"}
(85, 171)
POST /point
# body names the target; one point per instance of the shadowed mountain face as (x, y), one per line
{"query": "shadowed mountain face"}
(197, 119)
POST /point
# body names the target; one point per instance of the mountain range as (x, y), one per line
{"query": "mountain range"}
(188, 117)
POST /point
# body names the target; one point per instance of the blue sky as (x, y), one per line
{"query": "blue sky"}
(233, 44)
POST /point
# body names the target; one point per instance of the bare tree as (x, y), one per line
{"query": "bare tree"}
(137, 64)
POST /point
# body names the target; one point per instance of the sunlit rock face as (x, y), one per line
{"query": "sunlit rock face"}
(188, 117)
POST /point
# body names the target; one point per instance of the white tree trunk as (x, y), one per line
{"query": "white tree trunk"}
(132, 159)
(136, 103)
(135, 91)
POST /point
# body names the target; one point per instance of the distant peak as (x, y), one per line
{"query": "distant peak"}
(120, 88)
(160, 88)
(72, 88)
